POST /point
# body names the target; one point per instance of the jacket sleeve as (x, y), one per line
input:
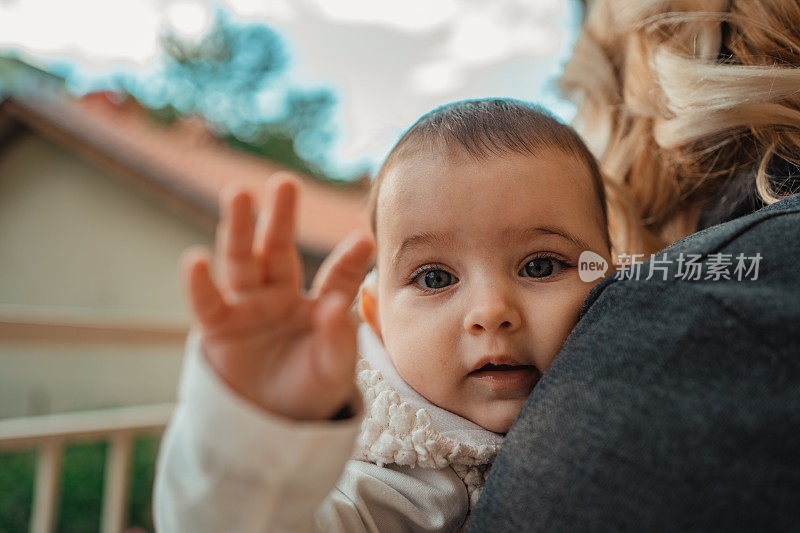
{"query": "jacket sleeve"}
(226, 465)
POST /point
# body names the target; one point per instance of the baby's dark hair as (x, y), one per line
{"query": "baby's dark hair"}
(486, 128)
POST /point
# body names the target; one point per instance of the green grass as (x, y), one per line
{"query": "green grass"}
(81, 487)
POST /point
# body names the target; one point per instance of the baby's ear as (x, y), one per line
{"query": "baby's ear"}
(368, 304)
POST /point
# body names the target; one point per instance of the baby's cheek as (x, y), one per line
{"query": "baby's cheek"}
(425, 368)
(427, 371)
(421, 345)
(557, 322)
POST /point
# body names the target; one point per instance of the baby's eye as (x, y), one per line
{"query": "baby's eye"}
(435, 279)
(540, 267)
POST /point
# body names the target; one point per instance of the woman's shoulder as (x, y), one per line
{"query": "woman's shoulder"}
(748, 226)
(762, 246)
(713, 289)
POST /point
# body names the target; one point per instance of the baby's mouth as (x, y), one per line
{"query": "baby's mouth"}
(491, 367)
(504, 375)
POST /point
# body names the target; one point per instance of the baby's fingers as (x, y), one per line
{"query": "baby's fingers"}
(205, 301)
(235, 240)
(344, 269)
(277, 255)
(336, 358)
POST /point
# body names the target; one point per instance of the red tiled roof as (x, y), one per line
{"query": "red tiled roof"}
(185, 163)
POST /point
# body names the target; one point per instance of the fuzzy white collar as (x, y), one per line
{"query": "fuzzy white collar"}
(402, 427)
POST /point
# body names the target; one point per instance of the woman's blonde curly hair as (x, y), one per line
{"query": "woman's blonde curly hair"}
(678, 98)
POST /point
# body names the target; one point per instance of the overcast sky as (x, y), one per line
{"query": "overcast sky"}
(389, 61)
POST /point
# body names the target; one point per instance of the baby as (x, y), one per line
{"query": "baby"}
(480, 213)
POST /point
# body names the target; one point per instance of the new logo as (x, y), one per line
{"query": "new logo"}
(591, 266)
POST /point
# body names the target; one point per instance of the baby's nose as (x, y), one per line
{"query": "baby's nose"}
(496, 314)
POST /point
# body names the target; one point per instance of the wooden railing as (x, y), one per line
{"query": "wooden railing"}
(49, 434)
(39, 328)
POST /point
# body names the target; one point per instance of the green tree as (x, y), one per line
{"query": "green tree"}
(235, 76)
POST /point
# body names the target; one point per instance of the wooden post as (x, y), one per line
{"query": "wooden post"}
(117, 483)
(47, 486)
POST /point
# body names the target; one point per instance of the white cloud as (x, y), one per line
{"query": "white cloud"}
(478, 39)
(99, 30)
(488, 32)
(188, 18)
(437, 77)
(274, 11)
(408, 15)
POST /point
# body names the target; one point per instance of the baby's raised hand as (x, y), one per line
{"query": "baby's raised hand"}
(289, 352)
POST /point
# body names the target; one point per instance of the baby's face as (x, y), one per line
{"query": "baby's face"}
(478, 285)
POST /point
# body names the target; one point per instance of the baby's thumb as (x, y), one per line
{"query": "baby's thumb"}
(337, 354)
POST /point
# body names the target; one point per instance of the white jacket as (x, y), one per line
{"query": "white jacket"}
(226, 466)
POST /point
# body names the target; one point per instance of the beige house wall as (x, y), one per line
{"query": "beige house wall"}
(73, 236)
(78, 243)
